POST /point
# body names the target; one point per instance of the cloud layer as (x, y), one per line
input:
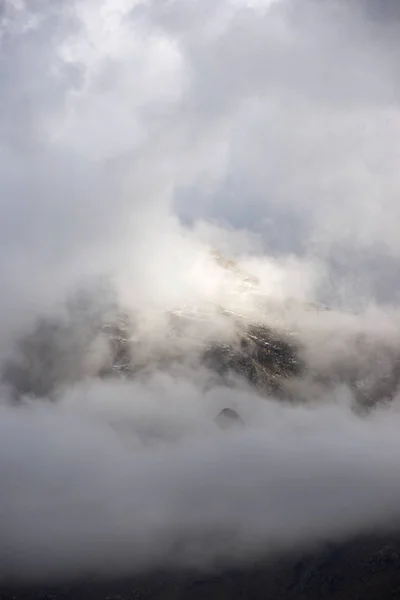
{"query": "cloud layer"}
(135, 136)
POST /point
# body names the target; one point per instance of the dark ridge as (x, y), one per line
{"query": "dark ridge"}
(363, 569)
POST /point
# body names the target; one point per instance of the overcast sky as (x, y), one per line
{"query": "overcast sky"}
(121, 119)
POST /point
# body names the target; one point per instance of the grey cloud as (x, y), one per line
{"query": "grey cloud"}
(102, 503)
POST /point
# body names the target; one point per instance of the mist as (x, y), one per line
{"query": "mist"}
(115, 490)
(137, 138)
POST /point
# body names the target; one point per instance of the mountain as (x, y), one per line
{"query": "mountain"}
(228, 345)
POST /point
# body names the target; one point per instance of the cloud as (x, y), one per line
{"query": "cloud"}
(115, 480)
(135, 137)
(119, 120)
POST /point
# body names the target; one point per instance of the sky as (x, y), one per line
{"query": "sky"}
(136, 136)
(125, 125)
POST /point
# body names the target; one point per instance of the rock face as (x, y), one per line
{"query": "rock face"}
(228, 418)
(263, 357)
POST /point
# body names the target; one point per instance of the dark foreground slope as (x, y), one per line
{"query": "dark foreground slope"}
(364, 569)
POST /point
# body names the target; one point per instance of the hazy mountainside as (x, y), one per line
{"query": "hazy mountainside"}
(50, 356)
(229, 347)
(95, 340)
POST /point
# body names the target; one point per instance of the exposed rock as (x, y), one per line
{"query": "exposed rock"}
(54, 353)
(228, 418)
